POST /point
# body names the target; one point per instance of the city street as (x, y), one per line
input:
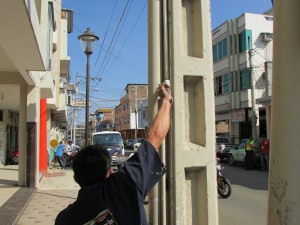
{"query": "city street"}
(248, 203)
(246, 206)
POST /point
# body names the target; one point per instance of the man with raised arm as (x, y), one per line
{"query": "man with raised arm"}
(118, 198)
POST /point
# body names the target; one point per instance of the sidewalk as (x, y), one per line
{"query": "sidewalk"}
(35, 206)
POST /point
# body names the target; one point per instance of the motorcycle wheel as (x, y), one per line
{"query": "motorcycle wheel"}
(224, 187)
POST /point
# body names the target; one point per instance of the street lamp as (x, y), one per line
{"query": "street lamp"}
(87, 41)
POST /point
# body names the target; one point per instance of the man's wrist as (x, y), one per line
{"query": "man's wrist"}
(169, 98)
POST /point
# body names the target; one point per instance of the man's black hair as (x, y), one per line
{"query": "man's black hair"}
(91, 165)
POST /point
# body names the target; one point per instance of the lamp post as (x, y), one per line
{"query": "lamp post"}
(87, 41)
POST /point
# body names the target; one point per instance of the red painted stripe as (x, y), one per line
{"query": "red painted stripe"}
(43, 136)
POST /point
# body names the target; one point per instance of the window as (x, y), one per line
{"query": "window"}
(224, 47)
(222, 84)
(245, 79)
(220, 50)
(218, 86)
(226, 82)
(245, 40)
(215, 53)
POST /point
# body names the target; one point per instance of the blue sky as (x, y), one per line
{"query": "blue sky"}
(121, 56)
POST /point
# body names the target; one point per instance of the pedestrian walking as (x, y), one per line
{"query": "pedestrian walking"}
(264, 148)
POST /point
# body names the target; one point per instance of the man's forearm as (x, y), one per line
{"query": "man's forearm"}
(160, 125)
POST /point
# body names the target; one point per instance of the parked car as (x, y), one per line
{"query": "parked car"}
(130, 143)
(223, 147)
(224, 153)
(136, 143)
(237, 154)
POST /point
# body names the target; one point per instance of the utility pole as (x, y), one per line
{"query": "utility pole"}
(74, 111)
(252, 83)
(136, 126)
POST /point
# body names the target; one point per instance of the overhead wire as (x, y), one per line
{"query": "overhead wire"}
(114, 35)
(110, 19)
(119, 32)
(132, 66)
(127, 37)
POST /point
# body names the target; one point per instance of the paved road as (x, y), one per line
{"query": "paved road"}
(248, 203)
(246, 206)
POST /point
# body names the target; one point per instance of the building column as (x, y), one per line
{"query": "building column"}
(284, 182)
(268, 120)
(33, 139)
(23, 136)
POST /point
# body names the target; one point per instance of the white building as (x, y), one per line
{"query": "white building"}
(34, 68)
(242, 50)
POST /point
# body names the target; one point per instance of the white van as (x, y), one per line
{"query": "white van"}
(112, 140)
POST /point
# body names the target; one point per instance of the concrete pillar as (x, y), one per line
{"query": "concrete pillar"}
(192, 176)
(284, 183)
(268, 120)
(33, 139)
(22, 135)
(154, 78)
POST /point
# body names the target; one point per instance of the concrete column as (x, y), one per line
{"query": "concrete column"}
(192, 182)
(284, 183)
(268, 119)
(23, 135)
(33, 132)
(154, 78)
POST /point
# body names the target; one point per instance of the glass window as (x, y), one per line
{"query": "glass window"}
(224, 45)
(245, 79)
(226, 82)
(220, 50)
(218, 85)
(215, 53)
(245, 39)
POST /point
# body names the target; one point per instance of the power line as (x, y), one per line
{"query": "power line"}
(114, 35)
(106, 32)
(139, 16)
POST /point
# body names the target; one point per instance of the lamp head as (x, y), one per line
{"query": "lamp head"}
(88, 40)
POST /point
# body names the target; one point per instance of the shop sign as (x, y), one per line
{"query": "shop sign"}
(79, 103)
(238, 115)
(70, 87)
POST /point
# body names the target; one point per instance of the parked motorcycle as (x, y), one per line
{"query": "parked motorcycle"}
(224, 185)
(69, 158)
(14, 157)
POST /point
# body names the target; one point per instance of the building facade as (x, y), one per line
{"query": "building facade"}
(126, 113)
(242, 59)
(105, 119)
(34, 69)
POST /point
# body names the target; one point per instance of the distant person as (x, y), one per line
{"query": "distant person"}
(118, 198)
(71, 149)
(250, 152)
(59, 155)
(264, 148)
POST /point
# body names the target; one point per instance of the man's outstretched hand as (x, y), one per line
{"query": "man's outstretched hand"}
(164, 91)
